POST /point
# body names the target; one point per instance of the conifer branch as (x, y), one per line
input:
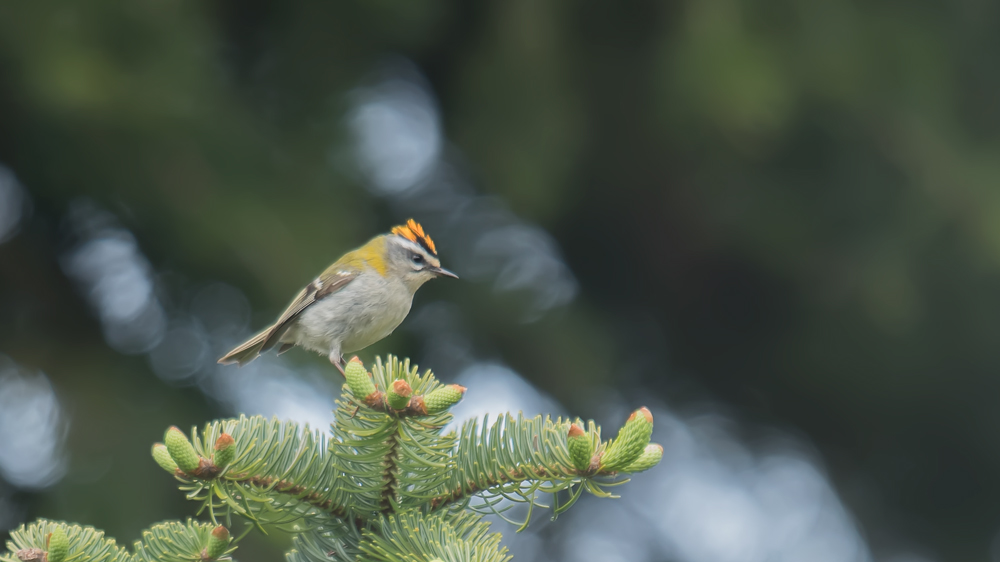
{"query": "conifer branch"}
(414, 535)
(396, 459)
(517, 458)
(164, 542)
(326, 544)
(278, 474)
(389, 481)
(387, 485)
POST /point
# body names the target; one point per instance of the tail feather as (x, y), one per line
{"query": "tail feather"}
(247, 351)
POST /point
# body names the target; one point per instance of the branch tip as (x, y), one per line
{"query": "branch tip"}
(630, 443)
(224, 441)
(180, 450)
(443, 398)
(162, 457)
(58, 545)
(581, 448)
(218, 540)
(358, 379)
(644, 412)
(225, 450)
(398, 396)
(401, 388)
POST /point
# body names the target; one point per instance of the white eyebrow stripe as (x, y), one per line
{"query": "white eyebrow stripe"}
(412, 244)
(414, 247)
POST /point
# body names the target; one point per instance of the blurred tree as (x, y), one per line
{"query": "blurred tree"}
(793, 204)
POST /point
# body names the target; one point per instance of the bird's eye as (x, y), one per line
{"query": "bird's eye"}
(417, 259)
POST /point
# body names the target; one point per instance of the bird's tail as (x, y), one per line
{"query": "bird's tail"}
(247, 351)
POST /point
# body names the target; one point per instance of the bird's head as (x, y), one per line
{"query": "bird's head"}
(411, 256)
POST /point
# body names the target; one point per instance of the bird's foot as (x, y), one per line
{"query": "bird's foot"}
(338, 361)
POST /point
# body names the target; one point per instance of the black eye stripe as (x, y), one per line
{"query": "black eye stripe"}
(417, 258)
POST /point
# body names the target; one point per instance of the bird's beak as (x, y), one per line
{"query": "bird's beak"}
(441, 272)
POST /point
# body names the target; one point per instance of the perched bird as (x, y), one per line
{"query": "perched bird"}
(356, 302)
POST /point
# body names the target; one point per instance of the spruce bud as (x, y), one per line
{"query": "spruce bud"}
(162, 457)
(180, 450)
(398, 396)
(630, 443)
(58, 546)
(225, 450)
(358, 379)
(218, 541)
(649, 458)
(581, 447)
(443, 398)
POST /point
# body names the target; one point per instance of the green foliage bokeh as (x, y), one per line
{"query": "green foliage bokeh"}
(794, 204)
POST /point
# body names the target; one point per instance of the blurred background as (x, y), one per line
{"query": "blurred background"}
(775, 223)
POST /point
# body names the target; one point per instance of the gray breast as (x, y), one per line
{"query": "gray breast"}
(362, 313)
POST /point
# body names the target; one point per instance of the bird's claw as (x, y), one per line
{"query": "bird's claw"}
(338, 361)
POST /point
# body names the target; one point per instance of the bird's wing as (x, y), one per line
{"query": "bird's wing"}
(324, 285)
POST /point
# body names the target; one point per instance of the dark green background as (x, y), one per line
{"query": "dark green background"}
(790, 208)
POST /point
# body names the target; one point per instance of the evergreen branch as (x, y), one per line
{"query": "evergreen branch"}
(413, 535)
(363, 446)
(269, 501)
(393, 458)
(424, 461)
(325, 543)
(387, 486)
(166, 542)
(423, 395)
(30, 542)
(389, 481)
(174, 540)
(516, 459)
(278, 474)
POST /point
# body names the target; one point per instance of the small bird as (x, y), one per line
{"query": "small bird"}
(356, 302)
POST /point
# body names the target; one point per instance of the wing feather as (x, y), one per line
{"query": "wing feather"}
(323, 286)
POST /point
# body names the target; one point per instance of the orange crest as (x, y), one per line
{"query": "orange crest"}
(413, 232)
